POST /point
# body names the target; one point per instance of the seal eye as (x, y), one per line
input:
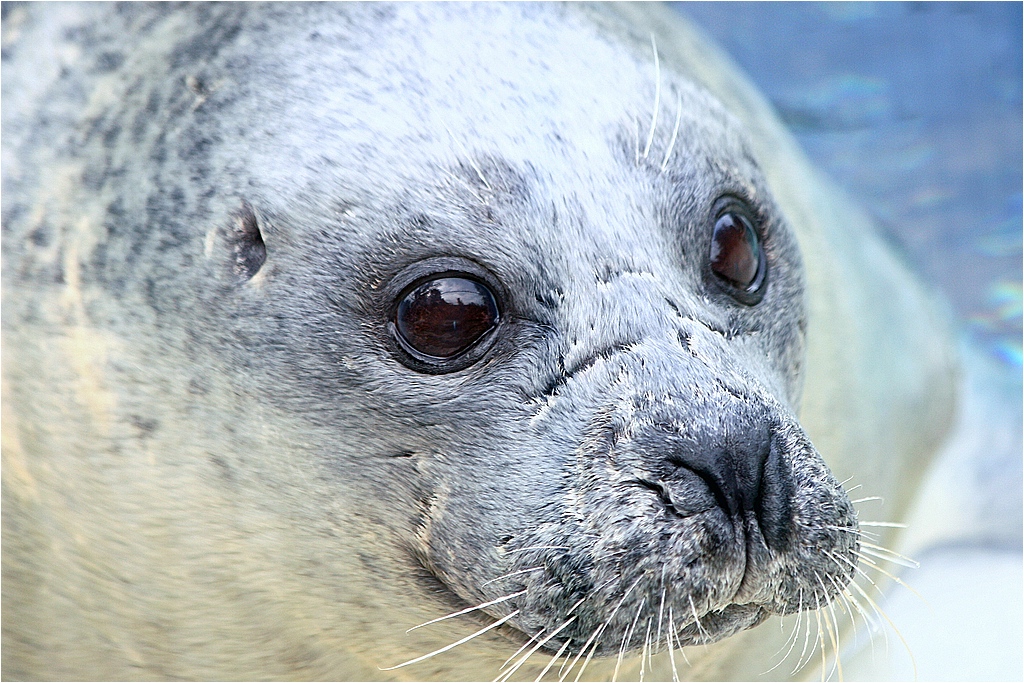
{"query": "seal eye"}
(443, 317)
(736, 257)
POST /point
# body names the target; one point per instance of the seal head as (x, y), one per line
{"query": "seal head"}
(441, 316)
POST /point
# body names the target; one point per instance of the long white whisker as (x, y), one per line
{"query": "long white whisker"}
(467, 610)
(657, 97)
(833, 628)
(854, 608)
(804, 651)
(508, 674)
(554, 659)
(603, 627)
(886, 554)
(874, 565)
(645, 653)
(675, 133)
(696, 619)
(793, 637)
(522, 661)
(626, 638)
(521, 648)
(861, 533)
(596, 632)
(661, 607)
(593, 649)
(496, 624)
(821, 640)
(671, 650)
(885, 616)
(505, 576)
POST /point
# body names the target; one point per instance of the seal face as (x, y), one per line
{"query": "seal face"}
(685, 490)
(535, 357)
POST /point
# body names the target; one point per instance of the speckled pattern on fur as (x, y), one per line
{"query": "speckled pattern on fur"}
(218, 465)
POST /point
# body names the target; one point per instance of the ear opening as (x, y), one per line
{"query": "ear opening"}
(246, 243)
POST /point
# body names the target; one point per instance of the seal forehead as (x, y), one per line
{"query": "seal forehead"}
(556, 89)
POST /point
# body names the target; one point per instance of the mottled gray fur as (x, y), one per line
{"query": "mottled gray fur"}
(254, 440)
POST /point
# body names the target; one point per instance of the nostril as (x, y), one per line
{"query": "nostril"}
(685, 493)
(717, 487)
(774, 501)
(663, 495)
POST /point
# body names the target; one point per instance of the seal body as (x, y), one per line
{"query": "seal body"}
(245, 435)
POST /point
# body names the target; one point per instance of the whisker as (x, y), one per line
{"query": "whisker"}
(590, 656)
(833, 628)
(467, 610)
(895, 578)
(675, 637)
(671, 650)
(885, 616)
(869, 626)
(854, 532)
(888, 525)
(675, 133)
(626, 638)
(792, 639)
(596, 632)
(661, 608)
(657, 97)
(804, 651)
(869, 580)
(696, 619)
(505, 676)
(553, 660)
(571, 609)
(505, 576)
(602, 629)
(821, 639)
(508, 674)
(865, 500)
(521, 648)
(645, 652)
(845, 604)
(496, 624)
(879, 550)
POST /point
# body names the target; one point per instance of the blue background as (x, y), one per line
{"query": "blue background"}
(915, 110)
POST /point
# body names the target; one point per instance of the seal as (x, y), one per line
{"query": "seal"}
(363, 341)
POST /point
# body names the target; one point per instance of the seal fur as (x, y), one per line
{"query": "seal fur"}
(220, 468)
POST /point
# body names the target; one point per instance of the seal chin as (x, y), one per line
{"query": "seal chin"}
(718, 624)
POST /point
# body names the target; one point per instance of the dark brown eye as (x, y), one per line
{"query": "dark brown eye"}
(736, 255)
(442, 318)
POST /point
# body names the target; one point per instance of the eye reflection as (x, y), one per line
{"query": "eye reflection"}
(443, 317)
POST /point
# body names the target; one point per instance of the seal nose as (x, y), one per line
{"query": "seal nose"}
(735, 463)
(730, 463)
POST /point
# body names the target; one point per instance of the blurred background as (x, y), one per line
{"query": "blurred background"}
(915, 110)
